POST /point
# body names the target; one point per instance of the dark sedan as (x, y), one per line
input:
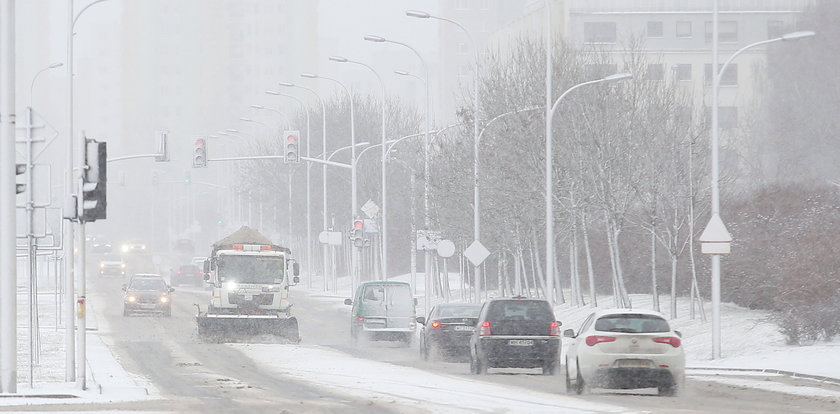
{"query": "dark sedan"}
(147, 295)
(515, 333)
(447, 331)
(187, 275)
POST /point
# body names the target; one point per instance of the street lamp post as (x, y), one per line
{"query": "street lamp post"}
(308, 196)
(279, 112)
(476, 200)
(384, 231)
(34, 78)
(324, 252)
(549, 182)
(715, 213)
(81, 376)
(354, 262)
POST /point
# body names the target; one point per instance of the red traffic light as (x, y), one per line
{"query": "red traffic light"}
(199, 142)
(291, 138)
(358, 224)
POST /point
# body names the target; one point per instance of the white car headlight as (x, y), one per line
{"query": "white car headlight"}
(231, 285)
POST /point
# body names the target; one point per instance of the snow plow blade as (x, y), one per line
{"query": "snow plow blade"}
(234, 328)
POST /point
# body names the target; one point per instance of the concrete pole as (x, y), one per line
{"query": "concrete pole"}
(69, 227)
(549, 178)
(8, 261)
(715, 188)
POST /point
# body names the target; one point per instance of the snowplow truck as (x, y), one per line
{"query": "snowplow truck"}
(250, 277)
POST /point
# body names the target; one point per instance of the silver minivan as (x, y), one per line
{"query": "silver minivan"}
(383, 310)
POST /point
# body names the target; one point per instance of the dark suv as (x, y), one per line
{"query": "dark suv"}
(515, 333)
(187, 275)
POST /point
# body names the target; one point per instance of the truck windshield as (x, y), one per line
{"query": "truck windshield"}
(251, 269)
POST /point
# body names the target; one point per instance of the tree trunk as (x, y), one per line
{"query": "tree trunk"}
(538, 263)
(654, 288)
(593, 297)
(673, 286)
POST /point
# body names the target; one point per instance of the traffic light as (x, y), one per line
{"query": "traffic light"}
(290, 147)
(357, 233)
(94, 182)
(155, 178)
(200, 154)
(20, 169)
(187, 178)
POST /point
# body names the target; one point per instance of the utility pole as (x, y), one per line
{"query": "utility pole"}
(8, 191)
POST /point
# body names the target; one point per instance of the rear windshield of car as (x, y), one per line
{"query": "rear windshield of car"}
(520, 310)
(632, 323)
(459, 312)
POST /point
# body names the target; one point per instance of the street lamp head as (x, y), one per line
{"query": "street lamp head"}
(618, 77)
(56, 65)
(799, 35)
(242, 118)
(402, 72)
(339, 59)
(272, 93)
(309, 75)
(372, 38)
(232, 130)
(418, 14)
(287, 84)
(257, 106)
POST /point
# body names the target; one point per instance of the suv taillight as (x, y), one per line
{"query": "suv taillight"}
(435, 324)
(670, 340)
(597, 339)
(554, 329)
(485, 329)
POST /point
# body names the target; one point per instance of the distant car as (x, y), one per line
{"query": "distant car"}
(133, 246)
(382, 310)
(111, 265)
(147, 294)
(625, 349)
(187, 275)
(515, 333)
(447, 331)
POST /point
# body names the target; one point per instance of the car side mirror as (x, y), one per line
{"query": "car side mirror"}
(421, 320)
(559, 323)
(207, 277)
(171, 290)
(415, 301)
(296, 269)
(296, 279)
(123, 288)
(348, 301)
(678, 333)
(569, 333)
(207, 266)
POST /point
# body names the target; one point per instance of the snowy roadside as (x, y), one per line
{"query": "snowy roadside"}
(107, 381)
(750, 340)
(385, 384)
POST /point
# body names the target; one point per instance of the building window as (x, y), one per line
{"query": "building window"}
(599, 32)
(728, 31)
(598, 71)
(682, 71)
(654, 29)
(730, 77)
(683, 29)
(727, 117)
(775, 28)
(655, 72)
(461, 4)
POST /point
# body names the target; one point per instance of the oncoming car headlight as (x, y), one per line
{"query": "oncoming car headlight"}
(164, 299)
(122, 265)
(231, 285)
(125, 248)
(101, 265)
(131, 299)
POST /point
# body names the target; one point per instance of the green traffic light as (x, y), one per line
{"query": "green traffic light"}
(219, 222)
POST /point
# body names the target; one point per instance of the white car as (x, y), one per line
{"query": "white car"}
(625, 349)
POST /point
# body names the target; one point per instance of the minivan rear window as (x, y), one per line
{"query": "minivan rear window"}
(520, 310)
(632, 323)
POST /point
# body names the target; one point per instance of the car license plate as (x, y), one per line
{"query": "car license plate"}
(147, 306)
(521, 342)
(633, 363)
(464, 328)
